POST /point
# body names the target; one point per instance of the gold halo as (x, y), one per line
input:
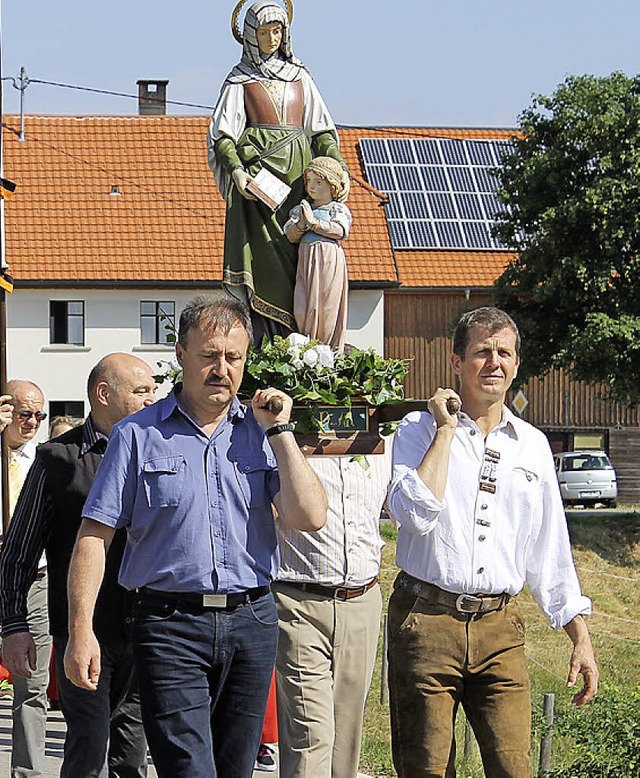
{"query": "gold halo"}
(235, 27)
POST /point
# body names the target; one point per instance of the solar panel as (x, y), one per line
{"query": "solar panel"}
(399, 238)
(394, 206)
(415, 205)
(427, 151)
(469, 207)
(449, 233)
(401, 152)
(442, 205)
(434, 179)
(442, 192)
(461, 179)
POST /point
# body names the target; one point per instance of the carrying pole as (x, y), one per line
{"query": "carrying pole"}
(4, 456)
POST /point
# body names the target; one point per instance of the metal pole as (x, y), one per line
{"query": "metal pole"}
(24, 83)
(4, 457)
(547, 737)
(384, 670)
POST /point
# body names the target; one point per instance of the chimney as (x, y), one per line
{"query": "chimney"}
(152, 97)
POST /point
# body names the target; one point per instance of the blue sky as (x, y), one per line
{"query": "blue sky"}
(467, 63)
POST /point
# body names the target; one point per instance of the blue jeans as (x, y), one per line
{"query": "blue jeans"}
(105, 736)
(204, 678)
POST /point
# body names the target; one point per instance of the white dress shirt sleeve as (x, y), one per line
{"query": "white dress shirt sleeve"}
(411, 502)
(551, 573)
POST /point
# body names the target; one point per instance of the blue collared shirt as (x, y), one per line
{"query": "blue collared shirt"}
(198, 510)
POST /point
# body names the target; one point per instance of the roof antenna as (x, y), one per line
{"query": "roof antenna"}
(21, 85)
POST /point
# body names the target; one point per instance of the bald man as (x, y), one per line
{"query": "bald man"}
(22, 406)
(104, 729)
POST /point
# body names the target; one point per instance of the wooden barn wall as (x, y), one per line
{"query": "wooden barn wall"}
(624, 452)
(418, 326)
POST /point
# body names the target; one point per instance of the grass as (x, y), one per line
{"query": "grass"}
(606, 547)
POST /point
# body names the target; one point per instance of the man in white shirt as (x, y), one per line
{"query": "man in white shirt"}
(29, 695)
(480, 515)
(329, 607)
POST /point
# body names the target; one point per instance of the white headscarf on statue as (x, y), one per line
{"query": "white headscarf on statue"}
(254, 66)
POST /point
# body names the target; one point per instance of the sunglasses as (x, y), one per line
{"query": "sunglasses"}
(26, 415)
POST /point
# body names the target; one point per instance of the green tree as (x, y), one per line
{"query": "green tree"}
(572, 187)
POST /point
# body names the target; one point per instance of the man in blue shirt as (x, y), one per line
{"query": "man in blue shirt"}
(193, 479)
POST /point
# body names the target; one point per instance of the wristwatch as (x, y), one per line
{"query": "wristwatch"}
(278, 428)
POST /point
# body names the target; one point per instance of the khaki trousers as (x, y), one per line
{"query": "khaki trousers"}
(326, 653)
(29, 707)
(439, 658)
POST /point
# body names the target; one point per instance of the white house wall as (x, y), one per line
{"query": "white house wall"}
(112, 323)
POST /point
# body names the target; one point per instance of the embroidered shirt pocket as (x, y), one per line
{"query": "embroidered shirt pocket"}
(163, 480)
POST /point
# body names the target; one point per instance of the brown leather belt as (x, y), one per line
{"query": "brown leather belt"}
(463, 603)
(334, 592)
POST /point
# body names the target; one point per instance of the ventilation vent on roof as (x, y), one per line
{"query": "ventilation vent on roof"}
(152, 97)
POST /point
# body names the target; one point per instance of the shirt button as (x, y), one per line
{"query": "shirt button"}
(480, 570)
(484, 506)
(482, 537)
(473, 432)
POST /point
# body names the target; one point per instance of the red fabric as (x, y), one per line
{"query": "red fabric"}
(52, 689)
(270, 727)
(5, 675)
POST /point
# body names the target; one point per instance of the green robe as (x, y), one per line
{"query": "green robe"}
(257, 254)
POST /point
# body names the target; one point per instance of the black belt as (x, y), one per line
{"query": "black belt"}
(231, 600)
(463, 603)
(335, 592)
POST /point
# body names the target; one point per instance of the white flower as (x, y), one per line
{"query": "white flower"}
(326, 355)
(174, 365)
(310, 357)
(296, 339)
(297, 363)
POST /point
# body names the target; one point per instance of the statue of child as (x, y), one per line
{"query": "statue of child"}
(321, 289)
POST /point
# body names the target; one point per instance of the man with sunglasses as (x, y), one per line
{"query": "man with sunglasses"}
(29, 694)
(104, 729)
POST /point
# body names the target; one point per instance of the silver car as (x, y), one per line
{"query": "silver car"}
(586, 478)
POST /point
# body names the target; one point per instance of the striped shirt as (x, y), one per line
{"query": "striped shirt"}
(347, 550)
(25, 457)
(30, 527)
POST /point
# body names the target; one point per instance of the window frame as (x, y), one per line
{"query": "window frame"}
(161, 332)
(61, 319)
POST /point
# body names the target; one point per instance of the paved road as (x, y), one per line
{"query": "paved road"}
(54, 744)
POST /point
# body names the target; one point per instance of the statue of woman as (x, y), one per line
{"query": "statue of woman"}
(269, 115)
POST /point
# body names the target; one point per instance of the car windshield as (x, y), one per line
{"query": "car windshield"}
(585, 462)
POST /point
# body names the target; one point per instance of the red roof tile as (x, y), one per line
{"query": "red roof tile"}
(167, 223)
(450, 268)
